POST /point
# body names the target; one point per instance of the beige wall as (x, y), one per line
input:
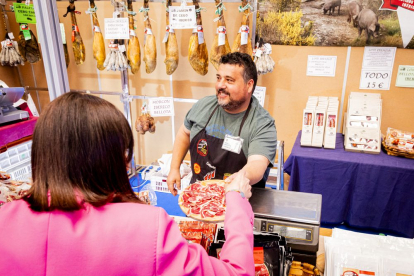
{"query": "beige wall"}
(288, 87)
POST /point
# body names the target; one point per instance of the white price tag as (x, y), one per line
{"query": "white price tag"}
(132, 32)
(96, 29)
(160, 107)
(148, 31)
(167, 33)
(121, 48)
(62, 32)
(200, 34)
(258, 53)
(232, 143)
(183, 17)
(221, 35)
(11, 36)
(116, 28)
(244, 34)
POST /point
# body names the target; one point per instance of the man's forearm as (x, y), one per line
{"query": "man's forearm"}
(255, 168)
(180, 149)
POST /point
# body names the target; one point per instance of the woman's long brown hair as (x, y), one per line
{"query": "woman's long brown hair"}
(81, 145)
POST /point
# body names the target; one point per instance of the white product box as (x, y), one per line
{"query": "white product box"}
(318, 128)
(363, 140)
(307, 127)
(329, 140)
(362, 95)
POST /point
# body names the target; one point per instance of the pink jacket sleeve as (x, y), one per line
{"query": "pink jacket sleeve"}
(174, 256)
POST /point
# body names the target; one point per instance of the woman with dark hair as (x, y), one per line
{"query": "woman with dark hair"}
(82, 217)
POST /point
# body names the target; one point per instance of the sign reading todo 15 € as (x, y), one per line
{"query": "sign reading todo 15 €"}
(375, 79)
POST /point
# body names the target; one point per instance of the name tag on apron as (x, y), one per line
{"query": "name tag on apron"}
(232, 143)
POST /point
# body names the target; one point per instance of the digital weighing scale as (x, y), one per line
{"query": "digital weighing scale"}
(295, 215)
(8, 113)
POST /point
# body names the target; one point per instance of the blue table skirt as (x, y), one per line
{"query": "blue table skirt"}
(359, 189)
(164, 200)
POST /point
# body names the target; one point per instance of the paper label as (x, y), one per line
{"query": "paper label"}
(62, 32)
(232, 143)
(321, 66)
(96, 29)
(166, 37)
(258, 53)
(200, 34)
(258, 255)
(160, 107)
(121, 48)
(132, 33)
(113, 46)
(116, 28)
(221, 35)
(148, 31)
(24, 13)
(26, 34)
(356, 272)
(182, 17)
(11, 36)
(244, 34)
(260, 94)
(405, 76)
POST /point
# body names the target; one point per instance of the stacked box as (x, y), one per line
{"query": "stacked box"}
(315, 119)
(363, 123)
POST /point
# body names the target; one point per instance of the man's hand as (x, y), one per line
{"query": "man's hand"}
(254, 169)
(174, 181)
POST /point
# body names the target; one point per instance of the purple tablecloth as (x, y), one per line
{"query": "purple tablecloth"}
(363, 190)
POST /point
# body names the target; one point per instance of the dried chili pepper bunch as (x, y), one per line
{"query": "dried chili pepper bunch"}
(10, 54)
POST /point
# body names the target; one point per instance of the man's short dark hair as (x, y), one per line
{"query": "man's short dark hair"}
(245, 61)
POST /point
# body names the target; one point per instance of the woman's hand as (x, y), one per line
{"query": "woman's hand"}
(239, 182)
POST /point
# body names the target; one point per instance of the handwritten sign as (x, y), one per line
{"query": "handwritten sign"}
(260, 94)
(182, 17)
(405, 76)
(321, 66)
(116, 28)
(375, 79)
(160, 107)
(377, 67)
(24, 13)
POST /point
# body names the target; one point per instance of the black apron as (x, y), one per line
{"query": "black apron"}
(209, 160)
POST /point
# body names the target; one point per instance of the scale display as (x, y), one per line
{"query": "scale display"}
(291, 232)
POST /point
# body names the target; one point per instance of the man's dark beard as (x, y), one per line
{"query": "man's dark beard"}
(232, 105)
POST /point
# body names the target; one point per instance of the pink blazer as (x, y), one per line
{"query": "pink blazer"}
(118, 239)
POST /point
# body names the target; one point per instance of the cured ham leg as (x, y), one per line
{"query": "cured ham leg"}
(197, 49)
(244, 30)
(217, 51)
(134, 51)
(171, 47)
(98, 40)
(150, 47)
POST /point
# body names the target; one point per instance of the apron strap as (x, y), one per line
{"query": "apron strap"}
(245, 116)
(211, 115)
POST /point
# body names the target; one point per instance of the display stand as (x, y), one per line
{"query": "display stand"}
(54, 60)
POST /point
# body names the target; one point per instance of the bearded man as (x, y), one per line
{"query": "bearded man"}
(228, 132)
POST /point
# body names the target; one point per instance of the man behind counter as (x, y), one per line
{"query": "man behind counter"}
(228, 132)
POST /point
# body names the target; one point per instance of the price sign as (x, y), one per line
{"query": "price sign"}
(160, 107)
(182, 17)
(116, 28)
(24, 13)
(375, 79)
(260, 94)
